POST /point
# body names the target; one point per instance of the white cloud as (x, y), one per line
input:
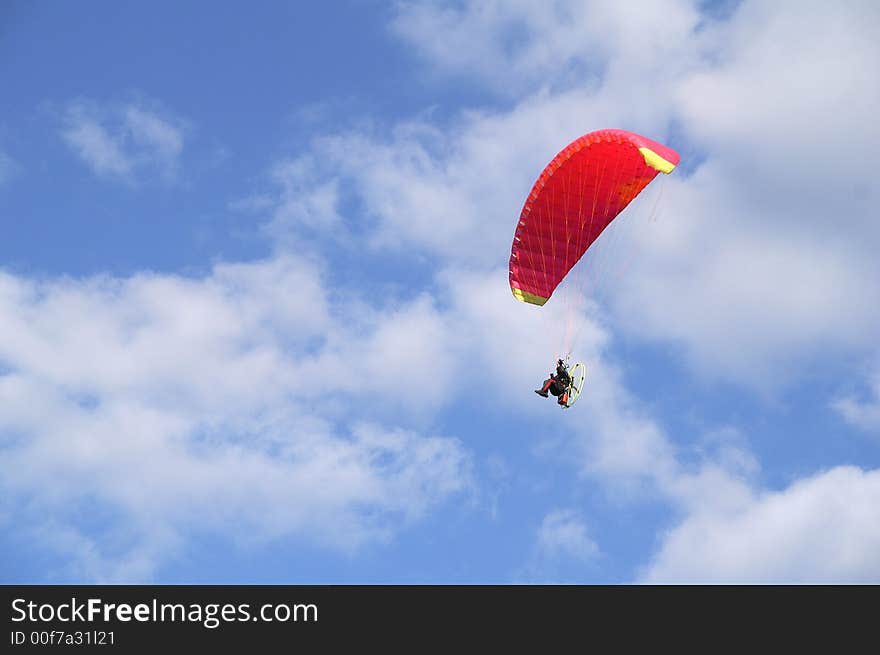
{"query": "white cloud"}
(821, 530)
(179, 405)
(764, 258)
(751, 297)
(755, 104)
(250, 402)
(128, 142)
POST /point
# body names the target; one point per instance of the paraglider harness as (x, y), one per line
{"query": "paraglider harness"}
(562, 377)
(559, 383)
(565, 384)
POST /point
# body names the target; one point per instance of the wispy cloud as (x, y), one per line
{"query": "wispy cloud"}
(562, 544)
(8, 167)
(94, 144)
(153, 133)
(564, 534)
(862, 412)
(127, 142)
(308, 200)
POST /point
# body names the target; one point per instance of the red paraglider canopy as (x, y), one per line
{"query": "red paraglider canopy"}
(576, 196)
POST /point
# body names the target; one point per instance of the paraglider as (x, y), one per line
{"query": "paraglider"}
(578, 194)
(565, 384)
(557, 384)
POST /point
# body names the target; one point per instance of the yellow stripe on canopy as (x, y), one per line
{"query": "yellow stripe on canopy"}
(655, 161)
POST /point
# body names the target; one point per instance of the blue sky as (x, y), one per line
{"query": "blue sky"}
(255, 325)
